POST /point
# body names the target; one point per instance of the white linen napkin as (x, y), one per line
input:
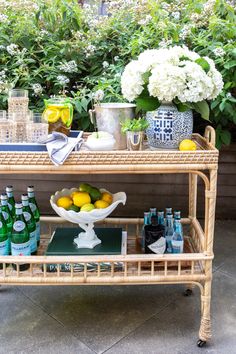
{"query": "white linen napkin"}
(59, 146)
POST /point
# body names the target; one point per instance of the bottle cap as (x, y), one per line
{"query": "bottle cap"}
(160, 211)
(4, 196)
(30, 188)
(24, 197)
(169, 216)
(9, 188)
(18, 205)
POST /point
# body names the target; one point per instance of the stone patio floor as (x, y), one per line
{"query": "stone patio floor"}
(153, 319)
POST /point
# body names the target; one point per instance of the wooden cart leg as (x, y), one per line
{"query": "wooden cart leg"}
(205, 327)
(210, 198)
(192, 214)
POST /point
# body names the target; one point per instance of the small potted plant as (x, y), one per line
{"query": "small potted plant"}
(134, 130)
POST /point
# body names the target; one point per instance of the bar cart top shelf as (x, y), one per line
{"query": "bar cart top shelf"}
(120, 161)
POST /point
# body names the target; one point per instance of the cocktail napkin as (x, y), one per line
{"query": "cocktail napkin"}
(60, 146)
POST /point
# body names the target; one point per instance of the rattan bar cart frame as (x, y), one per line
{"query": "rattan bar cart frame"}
(193, 267)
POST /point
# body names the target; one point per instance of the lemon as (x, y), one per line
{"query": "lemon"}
(51, 115)
(87, 207)
(187, 145)
(107, 197)
(101, 204)
(81, 198)
(64, 202)
(65, 115)
(74, 193)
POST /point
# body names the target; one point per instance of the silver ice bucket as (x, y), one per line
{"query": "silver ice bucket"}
(108, 116)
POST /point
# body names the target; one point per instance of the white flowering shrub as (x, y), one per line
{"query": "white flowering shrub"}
(53, 47)
(175, 75)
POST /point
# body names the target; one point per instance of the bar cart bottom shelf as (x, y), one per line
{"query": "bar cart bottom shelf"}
(189, 268)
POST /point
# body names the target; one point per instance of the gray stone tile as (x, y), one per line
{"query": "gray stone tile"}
(224, 313)
(25, 325)
(63, 345)
(224, 242)
(173, 331)
(100, 316)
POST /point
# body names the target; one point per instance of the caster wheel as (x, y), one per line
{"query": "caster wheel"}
(201, 343)
(188, 292)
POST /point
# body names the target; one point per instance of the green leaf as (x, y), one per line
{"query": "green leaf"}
(182, 107)
(225, 136)
(222, 105)
(147, 104)
(230, 64)
(202, 108)
(203, 63)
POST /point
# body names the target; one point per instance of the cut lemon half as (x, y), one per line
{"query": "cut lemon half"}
(51, 115)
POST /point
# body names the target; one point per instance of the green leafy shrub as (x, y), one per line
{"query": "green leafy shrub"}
(55, 47)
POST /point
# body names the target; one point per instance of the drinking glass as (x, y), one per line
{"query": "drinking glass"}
(21, 119)
(36, 129)
(7, 129)
(18, 100)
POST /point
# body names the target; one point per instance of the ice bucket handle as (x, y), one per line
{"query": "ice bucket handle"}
(92, 116)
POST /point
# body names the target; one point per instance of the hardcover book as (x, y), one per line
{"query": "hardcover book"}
(114, 241)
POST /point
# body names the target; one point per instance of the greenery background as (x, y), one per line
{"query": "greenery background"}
(49, 34)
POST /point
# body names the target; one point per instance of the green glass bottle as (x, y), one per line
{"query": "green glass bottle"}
(20, 239)
(31, 224)
(4, 240)
(35, 210)
(6, 214)
(11, 200)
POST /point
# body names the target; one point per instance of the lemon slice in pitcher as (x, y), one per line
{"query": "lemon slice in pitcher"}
(51, 115)
(65, 115)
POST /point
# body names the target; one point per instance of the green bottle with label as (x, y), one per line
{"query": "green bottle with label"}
(6, 214)
(11, 200)
(20, 239)
(31, 224)
(35, 210)
(4, 240)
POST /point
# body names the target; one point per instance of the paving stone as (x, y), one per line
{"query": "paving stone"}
(25, 325)
(100, 316)
(224, 242)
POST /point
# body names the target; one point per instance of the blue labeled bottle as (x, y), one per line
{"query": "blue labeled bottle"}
(178, 238)
(177, 216)
(20, 239)
(4, 240)
(161, 217)
(30, 221)
(169, 231)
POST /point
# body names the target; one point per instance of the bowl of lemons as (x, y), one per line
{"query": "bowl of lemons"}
(85, 206)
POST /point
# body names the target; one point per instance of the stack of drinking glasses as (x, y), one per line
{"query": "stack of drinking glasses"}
(21, 125)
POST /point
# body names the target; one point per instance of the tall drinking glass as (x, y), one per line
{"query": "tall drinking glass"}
(7, 129)
(37, 129)
(18, 100)
(21, 119)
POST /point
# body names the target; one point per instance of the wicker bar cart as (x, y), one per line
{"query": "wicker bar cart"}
(193, 267)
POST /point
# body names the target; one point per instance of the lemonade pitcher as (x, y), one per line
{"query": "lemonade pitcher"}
(58, 113)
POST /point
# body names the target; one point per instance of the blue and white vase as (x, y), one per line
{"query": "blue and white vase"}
(168, 127)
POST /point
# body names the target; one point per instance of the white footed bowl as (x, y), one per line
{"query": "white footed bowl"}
(86, 216)
(87, 239)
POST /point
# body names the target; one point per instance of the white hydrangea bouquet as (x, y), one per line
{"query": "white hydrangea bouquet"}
(175, 75)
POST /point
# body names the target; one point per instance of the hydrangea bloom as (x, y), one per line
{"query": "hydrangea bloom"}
(171, 74)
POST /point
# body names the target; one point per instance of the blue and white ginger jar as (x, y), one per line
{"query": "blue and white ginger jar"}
(168, 127)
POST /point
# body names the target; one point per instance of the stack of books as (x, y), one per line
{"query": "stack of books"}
(114, 242)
